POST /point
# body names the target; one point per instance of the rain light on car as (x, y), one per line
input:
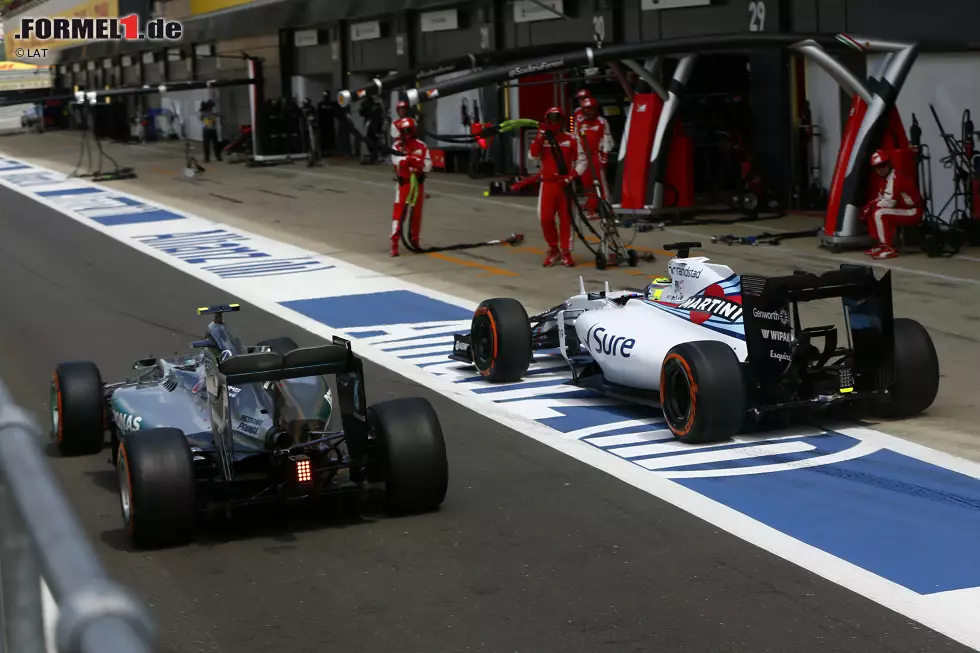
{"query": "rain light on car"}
(304, 474)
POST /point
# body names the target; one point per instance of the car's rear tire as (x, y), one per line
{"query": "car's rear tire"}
(702, 392)
(500, 340)
(411, 454)
(282, 345)
(916, 372)
(156, 487)
(77, 409)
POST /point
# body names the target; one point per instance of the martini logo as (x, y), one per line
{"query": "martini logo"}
(713, 303)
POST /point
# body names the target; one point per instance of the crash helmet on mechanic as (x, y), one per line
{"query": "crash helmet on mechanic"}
(581, 95)
(406, 127)
(590, 107)
(552, 120)
(880, 161)
(402, 109)
(656, 288)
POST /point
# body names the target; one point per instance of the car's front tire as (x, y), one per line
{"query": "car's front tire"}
(77, 409)
(411, 454)
(156, 487)
(500, 340)
(702, 392)
(916, 372)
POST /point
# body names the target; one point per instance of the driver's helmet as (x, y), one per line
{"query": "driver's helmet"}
(657, 287)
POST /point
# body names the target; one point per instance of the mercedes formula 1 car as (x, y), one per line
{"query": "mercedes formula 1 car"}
(238, 425)
(719, 353)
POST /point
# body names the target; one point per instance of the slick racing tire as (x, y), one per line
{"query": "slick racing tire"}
(156, 487)
(281, 346)
(77, 409)
(702, 392)
(916, 372)
(411, 454)
(500, 339)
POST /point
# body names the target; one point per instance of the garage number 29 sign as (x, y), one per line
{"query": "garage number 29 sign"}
(757, 16)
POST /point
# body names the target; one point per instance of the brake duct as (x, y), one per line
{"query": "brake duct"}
(843, 227)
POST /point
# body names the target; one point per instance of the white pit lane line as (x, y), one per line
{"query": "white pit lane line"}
(930, 610)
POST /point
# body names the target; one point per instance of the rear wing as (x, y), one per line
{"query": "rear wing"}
(772, 319)
(336, 359)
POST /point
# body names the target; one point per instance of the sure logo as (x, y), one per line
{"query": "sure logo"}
(599, 341)
(127, 422)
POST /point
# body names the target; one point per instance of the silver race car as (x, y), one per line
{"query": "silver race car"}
(237, 425)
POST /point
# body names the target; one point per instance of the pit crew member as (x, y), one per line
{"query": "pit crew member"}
(579, 113)
(413, 157)
(595, 142)
(552, 196)
(899, 204)
(402, 110)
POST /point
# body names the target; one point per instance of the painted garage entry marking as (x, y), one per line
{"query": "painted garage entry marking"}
(891, 520)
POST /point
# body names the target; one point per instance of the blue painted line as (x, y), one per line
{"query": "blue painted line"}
(158, 215)
(495, 389)
(368, 334)
(624, 430)
(581, 417)
(12, 168)
(911, 522)
(575, 393)
(533, 372)
(419, 343)
(70, 191)
(376, 309)
(420, 338)
(823, 444)
(690, 450)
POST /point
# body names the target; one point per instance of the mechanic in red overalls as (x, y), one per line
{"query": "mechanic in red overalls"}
(552, 197)
(579, 113)
(413, 156)
(899, 204)
(595, 142)
(403, 109)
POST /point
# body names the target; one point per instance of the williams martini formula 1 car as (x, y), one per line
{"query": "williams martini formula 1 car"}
(719, 353)
(240, 425)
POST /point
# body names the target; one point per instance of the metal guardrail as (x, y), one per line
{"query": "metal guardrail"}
(40, 537)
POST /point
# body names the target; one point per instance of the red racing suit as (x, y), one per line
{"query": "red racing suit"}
(595, 142)
(551, 197)
(899, 204)
(414, 157)
(577, 117)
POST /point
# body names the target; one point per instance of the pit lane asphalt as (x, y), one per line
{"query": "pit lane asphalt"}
(531, 552)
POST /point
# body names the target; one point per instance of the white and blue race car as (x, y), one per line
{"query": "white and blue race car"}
(720, 353)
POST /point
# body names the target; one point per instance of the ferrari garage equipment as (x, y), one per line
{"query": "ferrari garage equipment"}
(875, 125)
(716, 352)
(963, 159)
(237, 425)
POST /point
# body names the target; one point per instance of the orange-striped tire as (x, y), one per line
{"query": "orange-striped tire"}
(702, 392)
(77, 409)
(500, 340)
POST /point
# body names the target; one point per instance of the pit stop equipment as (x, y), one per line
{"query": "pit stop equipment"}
(874, 123)
(963, 159)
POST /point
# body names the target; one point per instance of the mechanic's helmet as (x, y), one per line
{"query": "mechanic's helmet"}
(553, 119)
(402, 108)
(406, 127)
(590, 106)
(879, 158)
(581, 95)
